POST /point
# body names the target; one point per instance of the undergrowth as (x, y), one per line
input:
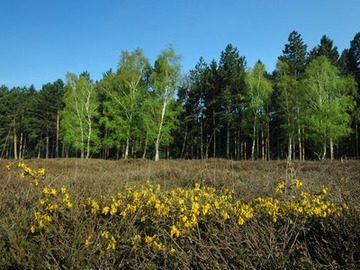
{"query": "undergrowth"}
(214, 217)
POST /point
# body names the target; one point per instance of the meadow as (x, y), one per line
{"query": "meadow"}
(180, 214)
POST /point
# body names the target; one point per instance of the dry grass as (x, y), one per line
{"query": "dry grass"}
(259, 244)
(249, 179)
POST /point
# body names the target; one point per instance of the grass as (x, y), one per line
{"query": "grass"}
(79, 237)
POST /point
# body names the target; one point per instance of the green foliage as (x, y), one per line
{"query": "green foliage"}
(257, 98)
(326, 48)
(329, 100)
(124, 94)
(294, 54)
(220, 110)
(164, 81)
(288, 99)
(78, 126)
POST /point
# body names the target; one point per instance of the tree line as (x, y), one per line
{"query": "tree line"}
(307, 108)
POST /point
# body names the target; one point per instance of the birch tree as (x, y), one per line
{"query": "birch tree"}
(257, 96)
(289, 102)
(295, 57)
(78, 116)
(125, 93)
(329, 98)
(164, 80)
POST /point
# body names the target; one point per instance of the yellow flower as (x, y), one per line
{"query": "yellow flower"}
(21, 165)
(47, 218)
(137, 238)
(280, 187)
(172, 250)
(51, 207)
(63, 189)
(225, 215)
(37, 215)
(174, 231)
(106, 210)
(112, 243)
(29, 171)
(8, 167)
(206, 209)
(241, 221)
(105, 234)
(41, 223)
(87, 241)
(324, 190)
(197, 187)
(94, 206)
(66, 200)
(217, 204)
(69, 204)
(41, 171)
(149, 239)
(32, 229)
(298, 183)
(158, 245)
(41, 201)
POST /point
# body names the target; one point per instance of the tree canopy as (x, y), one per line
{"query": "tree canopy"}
(307, 108)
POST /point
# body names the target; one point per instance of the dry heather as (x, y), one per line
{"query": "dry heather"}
(183, 214)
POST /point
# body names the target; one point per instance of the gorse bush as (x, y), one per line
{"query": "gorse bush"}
(148, 227)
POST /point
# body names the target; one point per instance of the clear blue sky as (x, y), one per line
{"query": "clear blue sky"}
(42, 40)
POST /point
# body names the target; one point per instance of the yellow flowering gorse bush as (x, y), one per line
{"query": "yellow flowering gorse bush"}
(161, 218)
(50, 201)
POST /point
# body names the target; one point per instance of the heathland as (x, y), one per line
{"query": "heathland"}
(182, 214)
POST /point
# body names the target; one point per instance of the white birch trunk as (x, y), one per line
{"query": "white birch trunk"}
(331, 149)
(289, 149)
(254, 139)
(157, 143)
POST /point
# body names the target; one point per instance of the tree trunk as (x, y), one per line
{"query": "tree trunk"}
(228, 140)
(201, 139)
(47, 146)
(356, 139)
(127, 148)
(303, 144)
(262, 145)
(145, 147)
(88, 139)
(300, 145)
(244, 149)
(57, 134)
(39, 153)
(157, 143)
(21, 145)
(184, 144)
(289, 149)
(254, 140)
(324, 151)
(236, 145)
(331, 149)
(214, 136)
(15, 145)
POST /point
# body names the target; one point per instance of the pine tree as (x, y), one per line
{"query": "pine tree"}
(294, 54)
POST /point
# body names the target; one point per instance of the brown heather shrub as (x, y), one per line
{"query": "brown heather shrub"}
(316, 243)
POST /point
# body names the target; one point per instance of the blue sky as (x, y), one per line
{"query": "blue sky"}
(42, 40)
